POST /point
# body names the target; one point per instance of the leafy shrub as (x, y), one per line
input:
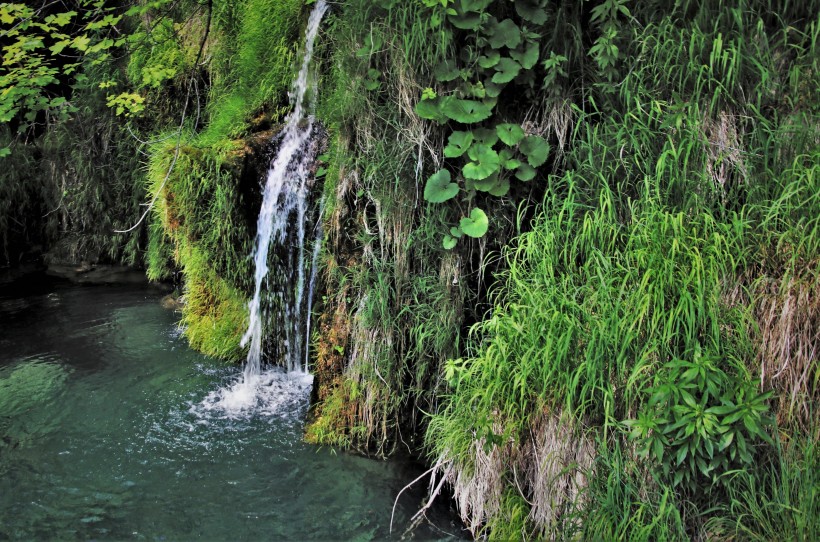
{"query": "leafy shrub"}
(700, 421)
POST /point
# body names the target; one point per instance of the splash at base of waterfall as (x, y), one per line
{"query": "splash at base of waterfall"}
(283, 273)
(272, 392)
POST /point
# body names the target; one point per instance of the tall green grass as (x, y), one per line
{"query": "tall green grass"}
(679, 225)
(778, 501)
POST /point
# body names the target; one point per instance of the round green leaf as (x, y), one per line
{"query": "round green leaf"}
(493, 90)
(528, 58)
(504, 33)
(525, 172)
(449, 242)
(510, 134)
(476, 224)
(531, 11)
(431, 110)
(466, 13)
(486, 185)
(480, 152)
(485, 162)
(457, 144)
(501, 188)
(439, 188)
(479, 170)
(466, 111)
(446, 71)
(536, 149)
(455, 232)
(485, 136)
(466, 21)
(511, 164)
(490, 60)
(506, 70)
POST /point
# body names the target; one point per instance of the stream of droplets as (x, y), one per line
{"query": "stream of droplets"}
(284, 207)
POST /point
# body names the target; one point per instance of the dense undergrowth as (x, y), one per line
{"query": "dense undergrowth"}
(66, 190)
(652, 348)
(396, 302)
(621, 344)
(649, 358)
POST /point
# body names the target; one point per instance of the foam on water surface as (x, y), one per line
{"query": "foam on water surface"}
(271, 392)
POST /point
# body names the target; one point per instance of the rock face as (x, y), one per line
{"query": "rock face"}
(86, 273)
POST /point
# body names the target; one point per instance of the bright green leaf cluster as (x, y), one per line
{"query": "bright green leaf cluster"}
(700, 422)
(40, 51)
(500, 52)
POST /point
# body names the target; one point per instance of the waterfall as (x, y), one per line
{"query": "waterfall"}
(282, 229)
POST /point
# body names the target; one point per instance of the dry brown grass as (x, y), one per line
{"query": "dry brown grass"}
(724, 160)
(548, 469)
(787, 312)
(556, 459)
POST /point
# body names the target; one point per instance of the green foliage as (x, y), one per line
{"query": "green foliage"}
(45, 48)
(511, 521)
(485, 162)
(66, 198)
(536, 149)
(700, 422)
(605, 50)
(499, 51)
(457, 144)
(393, 290)
(638, 294)
(605, 306)
(475, 225)
(622, 503)
(510, 134)
(778, 500)
(464, 111)
(439, 188)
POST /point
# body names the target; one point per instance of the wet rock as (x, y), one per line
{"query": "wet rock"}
(172, 302)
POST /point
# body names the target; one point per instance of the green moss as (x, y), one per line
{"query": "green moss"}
(331, 425)
(215, 314)
(252, 66)
(198, 220)
(200, 217)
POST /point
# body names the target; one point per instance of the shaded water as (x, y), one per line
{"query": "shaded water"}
(103, 435)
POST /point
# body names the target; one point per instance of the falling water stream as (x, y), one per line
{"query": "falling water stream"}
(282, 226)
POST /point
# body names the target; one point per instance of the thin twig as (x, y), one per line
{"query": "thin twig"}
(396, 502)
(432, 498)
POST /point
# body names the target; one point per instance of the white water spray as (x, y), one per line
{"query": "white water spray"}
(282, 225)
